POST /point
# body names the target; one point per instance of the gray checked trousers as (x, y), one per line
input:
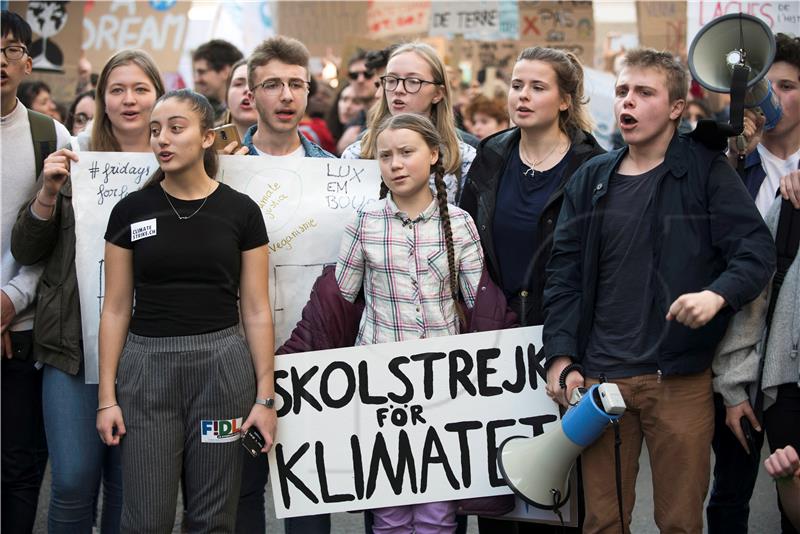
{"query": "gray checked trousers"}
(165, 388)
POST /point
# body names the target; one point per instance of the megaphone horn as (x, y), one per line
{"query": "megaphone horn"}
(729, 44)
(537, 469)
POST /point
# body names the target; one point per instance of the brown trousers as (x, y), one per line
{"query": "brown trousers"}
(676, 418)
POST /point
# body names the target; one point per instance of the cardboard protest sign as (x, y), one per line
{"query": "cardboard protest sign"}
(306, 207)
(564, 25)
(158, 27)
(480, 55)
(392, 18)
(55, 49)
(782, 16)
(403, 423)
(662, 25)
(321, 25)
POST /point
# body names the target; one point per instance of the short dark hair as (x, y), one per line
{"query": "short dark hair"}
(15, 25)
(787, 49)
(378, 59)
(359, 55)
(29, 90)
(218, 53)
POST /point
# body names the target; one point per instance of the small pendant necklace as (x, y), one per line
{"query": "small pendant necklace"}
(531, 163)
(186, 217)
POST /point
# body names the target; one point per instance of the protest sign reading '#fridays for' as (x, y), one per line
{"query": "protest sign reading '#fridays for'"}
(305, 206)
(403, 423)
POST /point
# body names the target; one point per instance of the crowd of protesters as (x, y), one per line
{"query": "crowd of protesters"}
(667, 266)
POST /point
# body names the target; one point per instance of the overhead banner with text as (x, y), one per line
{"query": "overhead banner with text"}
(781, 16)
(306, 206)
(158, 27)
(403, 423)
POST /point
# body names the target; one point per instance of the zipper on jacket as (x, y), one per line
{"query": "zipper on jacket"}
(658, 376)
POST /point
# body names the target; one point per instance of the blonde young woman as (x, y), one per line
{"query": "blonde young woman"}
(127, 89)
(416, 82)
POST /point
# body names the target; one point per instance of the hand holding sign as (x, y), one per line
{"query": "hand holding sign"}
(55, 171)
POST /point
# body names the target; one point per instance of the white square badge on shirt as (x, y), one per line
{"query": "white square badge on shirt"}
(142, 229)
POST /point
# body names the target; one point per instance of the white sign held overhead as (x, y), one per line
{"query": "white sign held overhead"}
(306, 205)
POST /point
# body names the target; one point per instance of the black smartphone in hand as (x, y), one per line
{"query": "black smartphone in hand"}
(253, 441)
(749, 434)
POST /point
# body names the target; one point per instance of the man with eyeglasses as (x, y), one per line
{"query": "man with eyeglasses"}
(278, 77)
(24, 449)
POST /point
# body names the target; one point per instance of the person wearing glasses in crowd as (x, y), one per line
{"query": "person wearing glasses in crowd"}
(278, 77)
(416, 82)
(80, 112)
(24, 448)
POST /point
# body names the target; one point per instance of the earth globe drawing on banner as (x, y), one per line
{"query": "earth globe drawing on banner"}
(46, 19)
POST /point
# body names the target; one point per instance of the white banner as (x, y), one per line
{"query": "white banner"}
(782, 16)
(306, 205)
(403, 423)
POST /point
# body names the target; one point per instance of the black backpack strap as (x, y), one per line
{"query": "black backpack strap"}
(43, 135)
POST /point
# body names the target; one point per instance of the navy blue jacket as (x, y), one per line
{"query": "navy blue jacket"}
(707, 235)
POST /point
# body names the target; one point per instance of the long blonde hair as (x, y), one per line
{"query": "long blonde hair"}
(103, 139)
(441, 112)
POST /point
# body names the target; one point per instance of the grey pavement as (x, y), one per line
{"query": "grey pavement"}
(764, 518)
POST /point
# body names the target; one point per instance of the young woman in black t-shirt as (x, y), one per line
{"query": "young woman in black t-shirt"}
(185, 381)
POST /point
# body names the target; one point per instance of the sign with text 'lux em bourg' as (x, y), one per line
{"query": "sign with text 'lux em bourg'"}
(403, 423)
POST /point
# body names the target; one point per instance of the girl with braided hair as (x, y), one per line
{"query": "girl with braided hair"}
(415, 257)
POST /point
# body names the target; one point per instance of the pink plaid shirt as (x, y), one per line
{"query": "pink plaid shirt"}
(402, 265)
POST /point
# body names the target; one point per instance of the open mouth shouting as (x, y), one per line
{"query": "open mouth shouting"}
(627, 121)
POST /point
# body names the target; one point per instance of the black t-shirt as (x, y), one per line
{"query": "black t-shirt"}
(520, 200)
(626, 328)
(186, 272)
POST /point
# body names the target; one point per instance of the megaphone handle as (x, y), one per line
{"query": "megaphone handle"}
(738, 90)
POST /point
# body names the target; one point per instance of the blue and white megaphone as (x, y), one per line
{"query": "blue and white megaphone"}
(537, 469)
(732, 54)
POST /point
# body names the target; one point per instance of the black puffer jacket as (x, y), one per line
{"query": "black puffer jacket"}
(479, 200)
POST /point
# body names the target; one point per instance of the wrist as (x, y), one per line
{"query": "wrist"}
(47, 195)
(266, 402)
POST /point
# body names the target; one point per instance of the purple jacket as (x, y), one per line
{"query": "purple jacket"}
(329, 321)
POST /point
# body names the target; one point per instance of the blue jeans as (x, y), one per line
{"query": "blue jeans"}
(79, 461)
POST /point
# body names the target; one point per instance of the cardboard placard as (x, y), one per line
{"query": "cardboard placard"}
(566, 25)
(392, 18)
(156, 27)
(405, 423)
(306, 206)
(662, 25)
(321, 25)
(55, 49)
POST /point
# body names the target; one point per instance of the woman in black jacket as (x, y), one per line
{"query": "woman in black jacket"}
(515, 186)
